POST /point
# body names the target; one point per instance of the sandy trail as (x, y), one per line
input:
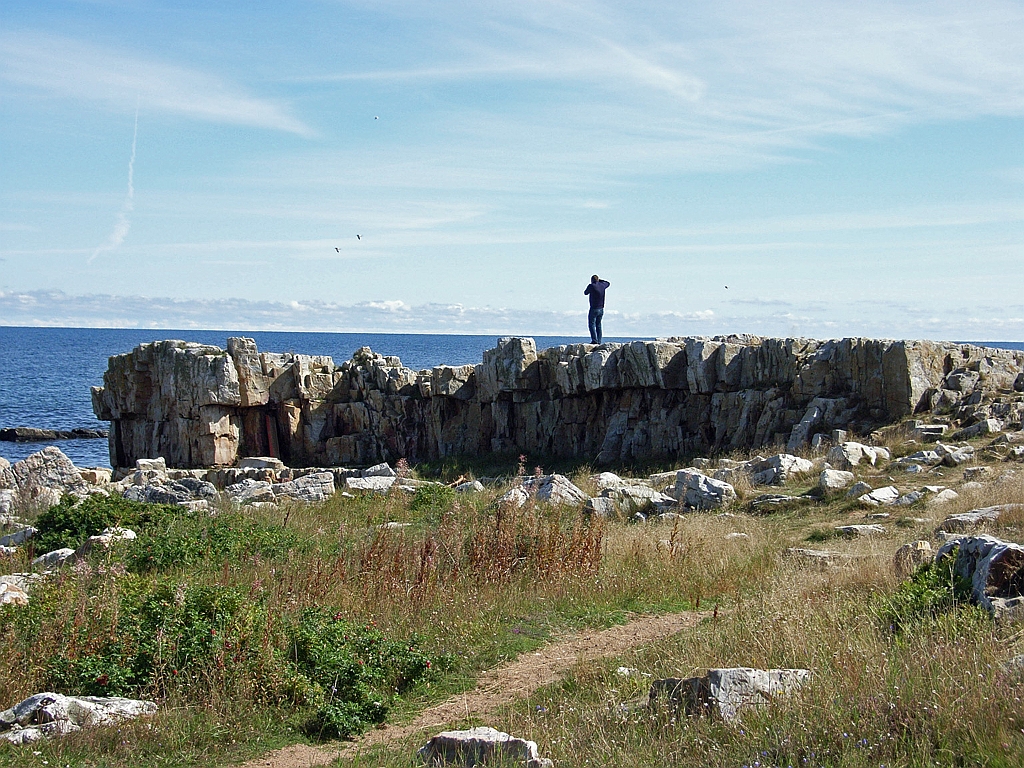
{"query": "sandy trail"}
(495, 688)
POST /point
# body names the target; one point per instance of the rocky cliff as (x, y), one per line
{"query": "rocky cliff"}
(199, 405)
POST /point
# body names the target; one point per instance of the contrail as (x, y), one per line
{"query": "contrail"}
(123, 223)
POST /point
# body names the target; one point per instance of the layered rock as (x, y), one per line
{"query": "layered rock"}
(199, 405)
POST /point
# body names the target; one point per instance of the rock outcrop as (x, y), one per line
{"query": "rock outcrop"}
(726, 692)
(51, 714)
(481, 746)
(201, 406)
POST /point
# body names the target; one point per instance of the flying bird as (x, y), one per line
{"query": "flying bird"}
(727, 287)
(338, 250)
(375, 117)
(359, 237)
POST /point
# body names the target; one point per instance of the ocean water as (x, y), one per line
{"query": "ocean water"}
(46, 373)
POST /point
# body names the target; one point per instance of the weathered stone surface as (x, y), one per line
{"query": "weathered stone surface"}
(54, 559)
(51, 714)
(727, 692)
(976, 518)
(861, 530)
(41, 478)
(890, 494)
(602, 506)
(200, 406)
(18, 537)
(994, 568)
(481, 746)
(249, 491)
(554, 489)
(10, 594)
(103, 541)
(831, 480)
(941, 497)
(318, 486)
(95, 475)
(473, 486)
(850, 454)
(260, 462)
(699, 491)
(910, 556)
(377, 484)
(777, 469)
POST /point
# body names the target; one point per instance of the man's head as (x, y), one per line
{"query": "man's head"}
(594, 278)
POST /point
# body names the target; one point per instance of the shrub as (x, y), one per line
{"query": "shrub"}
(71, 522)
(356, 670)
(934, 589)
(432, 500)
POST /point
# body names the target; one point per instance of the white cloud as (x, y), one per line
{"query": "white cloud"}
(71, 69)
(814, 319)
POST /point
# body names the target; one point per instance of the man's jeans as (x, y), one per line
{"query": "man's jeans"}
(594, 320)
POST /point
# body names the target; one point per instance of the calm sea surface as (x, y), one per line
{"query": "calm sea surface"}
(46, 372)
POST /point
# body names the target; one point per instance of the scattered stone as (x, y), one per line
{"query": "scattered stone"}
(818, 557)
(248, 491)
(95, 475)
(983, 427)
(976, 518)
(699, 491)
(909, 498)
(261, 462)
(480, 746)
(473, 486)
(928, 433)
(606, 480)
(602, 506)
(632, 497)
(912, 469)
(151, 465)
(35, 435)
(736, 535)
(515, 497)
(726, 692)
(318, 486)
(944, 496)
(992, 566)
(910, 556)
(861, 530)
(374, 483)
(778, 469)
(18, 537)
(879, 516)
(54, 559)
(848, 455)
(380, 470)
(554, 489)
(831, 480)
(11, 594)
(890, 494)
(972, 473)
(858, 489)
(51, 714)
(768, 501)
(104, 541)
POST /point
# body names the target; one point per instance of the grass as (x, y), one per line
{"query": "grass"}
(246, 626)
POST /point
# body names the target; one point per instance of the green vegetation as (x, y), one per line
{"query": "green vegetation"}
(257, 628)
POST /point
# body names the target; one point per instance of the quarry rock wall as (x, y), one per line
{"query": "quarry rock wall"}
(198, 405)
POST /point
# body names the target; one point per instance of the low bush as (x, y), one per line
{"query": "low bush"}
(355, 671)
(71, 522)
(933, 589)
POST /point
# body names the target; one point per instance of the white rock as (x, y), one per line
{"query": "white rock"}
(699, 491)
(779, 468)
(54, 559)
(835, 479)
(380, 470)
(481, 746)
(248, 490)
(881, 496)
(18, 537)
(861, 530)
(261, 462)
(374, 483)
(51, 714)
(11, 594)
(727, 692)
(944, 496)
(607, 480)
(316, 486)
(554, 489)
(850, 454)
(473, 486)
(151, 465)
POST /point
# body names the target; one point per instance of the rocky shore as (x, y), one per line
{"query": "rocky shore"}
(202, 406)
(36, 435)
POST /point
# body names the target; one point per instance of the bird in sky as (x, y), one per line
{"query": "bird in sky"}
(338, 250)
(375, 117)
(359, 237)
(727, 287)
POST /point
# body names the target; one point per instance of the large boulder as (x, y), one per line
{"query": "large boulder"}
(976, 518)
(831, 480)
(726, 692)
(554, 489)
(910, 556)
(481, 746)
(994, 569)
(317, 486)
(42, 474)
(777, 469)
(697, 490)
(51, 714)
(249, 491)
(850, 454)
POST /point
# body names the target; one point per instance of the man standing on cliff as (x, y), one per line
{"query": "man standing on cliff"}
(596, 291)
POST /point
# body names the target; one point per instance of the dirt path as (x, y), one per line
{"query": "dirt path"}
(496, 687)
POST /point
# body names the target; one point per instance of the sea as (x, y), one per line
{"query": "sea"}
(46, 373)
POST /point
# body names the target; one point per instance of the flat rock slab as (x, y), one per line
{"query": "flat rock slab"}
(52, 714)
(726, 692)
(481, 745)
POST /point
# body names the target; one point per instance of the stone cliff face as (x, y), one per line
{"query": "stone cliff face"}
(198, 405)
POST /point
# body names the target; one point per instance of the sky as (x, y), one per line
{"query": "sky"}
(821, 169)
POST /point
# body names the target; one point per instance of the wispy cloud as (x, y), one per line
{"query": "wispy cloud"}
(71, 69)
(123, 223)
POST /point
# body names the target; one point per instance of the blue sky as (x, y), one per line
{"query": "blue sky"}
(844, 168)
